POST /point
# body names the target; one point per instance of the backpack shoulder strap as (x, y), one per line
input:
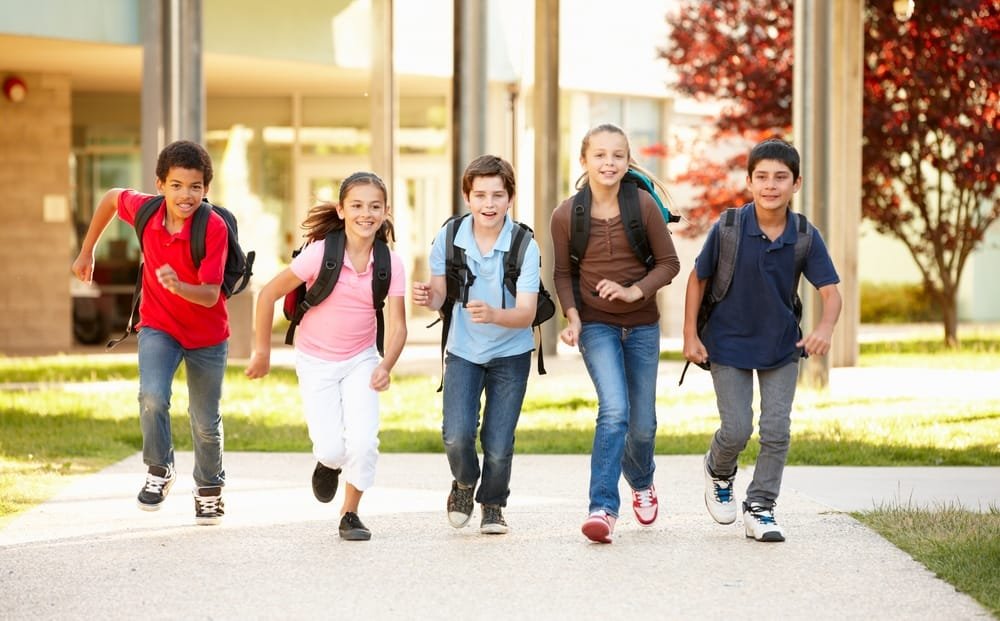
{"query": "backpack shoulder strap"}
(143, 215)
(381, 276)
(329, 271)
(635, 232)
(803, 243)
(457, 278)
(579, 235)
(515, 256)
(199, 229)
(729, 244)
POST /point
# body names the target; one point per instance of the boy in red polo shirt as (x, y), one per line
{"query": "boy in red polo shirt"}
(183, 317)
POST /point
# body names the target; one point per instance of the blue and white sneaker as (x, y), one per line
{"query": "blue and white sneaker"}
(719, 497)
(758, 519)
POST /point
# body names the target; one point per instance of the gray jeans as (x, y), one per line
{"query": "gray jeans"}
(734, 395)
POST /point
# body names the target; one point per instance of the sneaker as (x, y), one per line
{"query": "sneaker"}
(493, 522)
(208, 505)
(598, 527)
(353, 529)
(758, 519)
(159, 480)
(719, 496)
(324, 482)
(645, 505)
(460, 503)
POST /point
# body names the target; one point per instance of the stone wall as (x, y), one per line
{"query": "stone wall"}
(36, 238)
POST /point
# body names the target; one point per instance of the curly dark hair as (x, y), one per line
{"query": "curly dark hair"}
(184, 154)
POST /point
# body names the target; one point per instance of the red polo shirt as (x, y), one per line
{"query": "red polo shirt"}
(191, 324)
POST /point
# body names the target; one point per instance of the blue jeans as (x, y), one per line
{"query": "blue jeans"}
(159, 356)
(734, 395)
(623, 363)
(504, 381)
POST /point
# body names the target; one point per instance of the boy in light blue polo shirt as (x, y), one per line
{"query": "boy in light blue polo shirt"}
(755, 328)
(489, 344)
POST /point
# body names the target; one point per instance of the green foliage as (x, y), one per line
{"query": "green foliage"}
(897, 303)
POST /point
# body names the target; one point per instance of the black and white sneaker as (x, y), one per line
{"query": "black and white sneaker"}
(493, 522)
(159, 480)
(460, 502)
(324, 482)
(208, 505)
(758, 520)
(353, 529)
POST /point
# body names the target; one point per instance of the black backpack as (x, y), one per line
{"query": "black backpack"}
(238, 268)
(635, 232)
(730, 225)
(298, 302)
(459, 279)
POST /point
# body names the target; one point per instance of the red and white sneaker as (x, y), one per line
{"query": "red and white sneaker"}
(598, 527)
(645, 505)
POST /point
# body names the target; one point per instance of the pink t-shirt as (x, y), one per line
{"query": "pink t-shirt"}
(343, 325)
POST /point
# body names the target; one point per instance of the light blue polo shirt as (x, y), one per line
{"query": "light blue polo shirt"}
(477, 342)
(754, 326)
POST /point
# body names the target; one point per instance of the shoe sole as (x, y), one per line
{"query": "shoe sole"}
(769, 537)
(458, 520)
(355, 535)
(156, 507)
(208, 521)
(596, 532)
(493, 529)
(643, 522)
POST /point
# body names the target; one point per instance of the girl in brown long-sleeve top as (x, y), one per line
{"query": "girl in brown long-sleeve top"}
(608, 296)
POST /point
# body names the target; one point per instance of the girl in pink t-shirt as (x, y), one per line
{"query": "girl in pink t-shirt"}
(336, 360)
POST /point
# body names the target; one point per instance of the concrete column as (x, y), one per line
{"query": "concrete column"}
(546, 131)
(829, 44)
(173, 85)
(382, 93)
(468, 96)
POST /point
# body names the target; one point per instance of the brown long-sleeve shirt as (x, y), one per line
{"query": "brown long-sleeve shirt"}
(609, 255)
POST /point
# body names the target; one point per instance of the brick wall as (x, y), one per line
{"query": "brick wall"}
(36, 244)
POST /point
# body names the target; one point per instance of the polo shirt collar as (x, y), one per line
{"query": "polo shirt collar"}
(465, 239)
(158, 218)
(788, 237)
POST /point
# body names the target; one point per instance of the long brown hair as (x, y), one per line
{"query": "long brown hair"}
(323, 218)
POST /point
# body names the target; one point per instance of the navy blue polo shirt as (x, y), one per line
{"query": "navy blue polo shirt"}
(754, 326)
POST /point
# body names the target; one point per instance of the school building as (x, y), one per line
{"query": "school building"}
(291, 106)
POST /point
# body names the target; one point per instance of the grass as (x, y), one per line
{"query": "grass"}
(962, 547)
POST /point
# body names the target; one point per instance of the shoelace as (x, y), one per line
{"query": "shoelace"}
(723, 490)
(762, 515)
(154, 483)
(208, 504)
(644, 497)
(494, 516)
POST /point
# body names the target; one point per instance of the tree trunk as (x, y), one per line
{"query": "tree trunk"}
(949, 316)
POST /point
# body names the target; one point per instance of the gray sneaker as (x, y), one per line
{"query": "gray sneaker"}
(493, 522)
(460, 502)
(159, 480)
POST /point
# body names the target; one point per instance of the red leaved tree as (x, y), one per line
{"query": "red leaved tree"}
(930, 146)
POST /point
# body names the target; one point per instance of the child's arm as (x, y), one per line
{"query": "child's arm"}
(520, 316)
(201, 294)
(818, 341)
(694, 349)
(431, 294)
(395, 338)
(274, 290)
(83, 266)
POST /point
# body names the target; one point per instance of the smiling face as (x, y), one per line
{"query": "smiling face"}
(183, 190)
(772, 185)
(488, 202)
(605, 158)
(363, 210)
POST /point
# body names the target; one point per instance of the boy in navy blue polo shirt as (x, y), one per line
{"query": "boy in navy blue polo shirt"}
(754, 327)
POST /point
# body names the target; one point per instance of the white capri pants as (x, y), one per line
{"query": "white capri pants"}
(342, 413)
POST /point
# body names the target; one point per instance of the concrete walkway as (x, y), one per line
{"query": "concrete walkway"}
(90, 553)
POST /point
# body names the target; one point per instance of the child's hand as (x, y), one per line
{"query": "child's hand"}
(380, 379)
(610, 290)
(817, 343)
(260, 365)
(83, 267)
(571, 333)
(694, 350)
(422, 293)
(168, 278)
(480, 312)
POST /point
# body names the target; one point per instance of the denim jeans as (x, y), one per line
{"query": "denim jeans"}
(623, 364)
(159, 357)
(734, 395)
(504, 381)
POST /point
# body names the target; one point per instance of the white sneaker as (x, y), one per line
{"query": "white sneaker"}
(719, 497)
(758, 519)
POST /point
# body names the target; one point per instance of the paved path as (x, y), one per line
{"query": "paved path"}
(90, 553)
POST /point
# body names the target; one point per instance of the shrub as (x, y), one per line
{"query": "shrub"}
(896, 303)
